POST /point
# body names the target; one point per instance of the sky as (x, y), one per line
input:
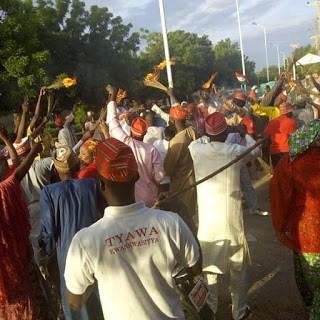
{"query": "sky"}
(287, 21)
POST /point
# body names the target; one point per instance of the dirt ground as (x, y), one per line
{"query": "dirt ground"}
(273, 294)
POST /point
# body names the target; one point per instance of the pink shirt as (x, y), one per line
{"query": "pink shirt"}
(148, 158)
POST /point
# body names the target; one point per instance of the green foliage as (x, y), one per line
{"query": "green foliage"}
(80, 115)
(227, 57)
(41, 39)
(273, 74)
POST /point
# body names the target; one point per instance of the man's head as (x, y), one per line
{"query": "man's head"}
(118, 172)
(139, 128)
(66, 162)
(67, 116)
(22, 147)
(239, 98)
(268, 89)
(87, 151)
(179, 116)
(286, 109)
(216, 127)
(149, 117)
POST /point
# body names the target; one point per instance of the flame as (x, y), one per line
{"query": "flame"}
(121, 94)
(163, 64)
(69, 82)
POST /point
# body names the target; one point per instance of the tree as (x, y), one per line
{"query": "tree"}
(273, 74)
(227, 58)
(194, 59)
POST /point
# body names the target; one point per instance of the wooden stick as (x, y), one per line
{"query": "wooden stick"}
(226, 166)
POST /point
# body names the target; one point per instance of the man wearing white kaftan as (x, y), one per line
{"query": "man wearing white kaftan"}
(221, 230)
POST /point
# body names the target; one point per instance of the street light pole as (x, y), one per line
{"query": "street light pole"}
(266, 46)
(241, 43)
(278, 54)
(165, 43)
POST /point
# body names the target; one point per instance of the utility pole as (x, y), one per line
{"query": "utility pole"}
(318, 28)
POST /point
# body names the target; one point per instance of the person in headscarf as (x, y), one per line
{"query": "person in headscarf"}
(221, 230)
(295, 206)
(65, 208)
(21, 294)
(87, 160)
(178, 163)
(147, 156)
(279, 131)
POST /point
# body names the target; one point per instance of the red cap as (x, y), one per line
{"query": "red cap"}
(139, 127)
(239, 95)
(252, 95)
(58, 122)
(178, 113)
(215, 124)
(115, 161)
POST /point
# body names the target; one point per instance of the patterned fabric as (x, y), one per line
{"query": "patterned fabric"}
(115, 161)
(286, 108)
(295, 202)
(65, 160)
(215, 123)
(303, 138)
(307, 274)
(22, 146)
(178, 113)
(20, 293)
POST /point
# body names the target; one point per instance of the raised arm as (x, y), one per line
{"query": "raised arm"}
(12, 151)
(25, 165)
(37, 110)
(23, 120)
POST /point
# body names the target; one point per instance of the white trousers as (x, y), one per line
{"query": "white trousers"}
(238, 289)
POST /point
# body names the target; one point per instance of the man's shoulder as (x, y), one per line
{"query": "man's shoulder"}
(71, 185)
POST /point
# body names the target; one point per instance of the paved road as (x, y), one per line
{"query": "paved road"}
(273, 294)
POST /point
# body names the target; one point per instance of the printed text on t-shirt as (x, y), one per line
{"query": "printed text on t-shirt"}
(145, 236)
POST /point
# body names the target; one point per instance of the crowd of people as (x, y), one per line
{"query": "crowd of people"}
(98, 226)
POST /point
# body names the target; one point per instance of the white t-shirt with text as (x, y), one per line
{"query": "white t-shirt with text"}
(132, 252)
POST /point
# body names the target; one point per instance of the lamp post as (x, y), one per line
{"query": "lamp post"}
(165, 43)
(278, 56)
(241, 43)
(266, 46)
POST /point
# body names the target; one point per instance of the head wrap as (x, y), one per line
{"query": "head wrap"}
(115, 161)
(303, 138)
(239, 95)
(215, 124)
(285, 108)
(139, 127)
(178, 113)
(184, 103)
(65, 160)
(22, 146)
(3, 153)
(91, 145)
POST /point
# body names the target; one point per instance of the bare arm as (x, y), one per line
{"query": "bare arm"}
(12, 151)
(37, 110)
(23, 120)
(25, 165)
(315, 83)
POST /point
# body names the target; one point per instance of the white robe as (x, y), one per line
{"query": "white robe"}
(221, 230)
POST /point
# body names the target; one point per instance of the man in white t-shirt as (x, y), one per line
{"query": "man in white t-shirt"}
(133, 251)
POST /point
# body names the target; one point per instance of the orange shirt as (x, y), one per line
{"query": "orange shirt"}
(279, 130)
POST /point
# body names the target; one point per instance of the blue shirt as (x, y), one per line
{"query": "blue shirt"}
(66, 207)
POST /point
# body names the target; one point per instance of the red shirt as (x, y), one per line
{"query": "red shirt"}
(295, 202)
(89, 171)
(248, 123)
(279, 130)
